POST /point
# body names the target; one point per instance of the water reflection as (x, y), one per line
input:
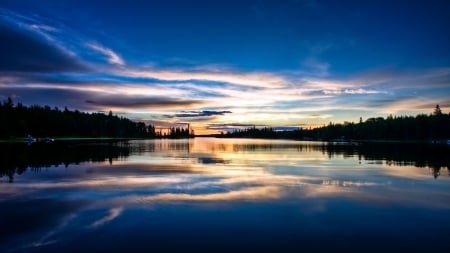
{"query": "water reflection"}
(279, 192)
(16, 158)
(126, 173)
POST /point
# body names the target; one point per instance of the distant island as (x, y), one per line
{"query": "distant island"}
(424, 128)
(18, 121)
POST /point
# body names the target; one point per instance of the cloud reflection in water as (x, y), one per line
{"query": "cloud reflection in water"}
(225, 170)
(166, 178)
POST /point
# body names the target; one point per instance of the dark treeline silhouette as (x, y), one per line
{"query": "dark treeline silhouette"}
(16, 158)
(433, 127)
(19, 121)
(176, 133)
(253, 132)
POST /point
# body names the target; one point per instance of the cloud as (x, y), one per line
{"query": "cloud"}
(43, 28)
(399, 79)
(316, 67)
(111, 56)
(112, 214)
(23, 50)
(193, 114)
(93, 97)
(422, 105)
(250, 193)
(118, 101)
(252, 79)
(46, 96)
(352, 91)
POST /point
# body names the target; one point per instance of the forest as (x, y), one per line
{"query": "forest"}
(433, 127)
(18, 121)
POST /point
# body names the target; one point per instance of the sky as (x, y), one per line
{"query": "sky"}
(223, 65)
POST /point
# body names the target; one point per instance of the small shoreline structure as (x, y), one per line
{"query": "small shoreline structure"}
(29, 139)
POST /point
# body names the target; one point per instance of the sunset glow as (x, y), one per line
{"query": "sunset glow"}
(223, 65)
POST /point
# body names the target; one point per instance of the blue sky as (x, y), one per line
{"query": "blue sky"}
(228, 64)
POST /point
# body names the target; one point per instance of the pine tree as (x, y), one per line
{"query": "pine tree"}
(437, 111)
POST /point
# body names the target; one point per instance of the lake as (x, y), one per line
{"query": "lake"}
(224, 195)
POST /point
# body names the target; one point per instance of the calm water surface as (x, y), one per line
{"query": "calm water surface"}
(230, 195)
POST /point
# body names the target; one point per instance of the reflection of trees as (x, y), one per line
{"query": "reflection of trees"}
(16, 158)
(420, 155)
(179, 146)
(435, 171)
(160, 146)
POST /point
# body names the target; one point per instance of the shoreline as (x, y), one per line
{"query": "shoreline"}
(337, 141)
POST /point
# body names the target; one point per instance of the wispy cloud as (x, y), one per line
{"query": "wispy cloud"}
(111, 56)
(121, 102)
(250, 193)
(112, 214)
(316, 67)
(416, 104)
(403, 78)
(101, 97)
(46, 28)
(352, 91)
(253, 79)
(193, 114)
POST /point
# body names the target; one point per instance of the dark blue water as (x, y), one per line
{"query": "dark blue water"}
(224, 195)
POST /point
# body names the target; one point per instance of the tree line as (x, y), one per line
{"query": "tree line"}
(433, 127)
(19, 121)
(176, 133)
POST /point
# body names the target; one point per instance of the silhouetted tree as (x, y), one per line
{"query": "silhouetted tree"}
(437, 110)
